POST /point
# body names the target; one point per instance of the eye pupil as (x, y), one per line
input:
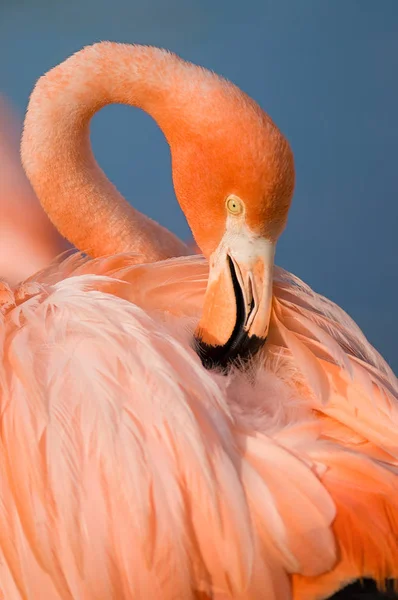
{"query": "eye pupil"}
(234, 205)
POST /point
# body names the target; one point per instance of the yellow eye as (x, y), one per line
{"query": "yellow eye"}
(234, 205)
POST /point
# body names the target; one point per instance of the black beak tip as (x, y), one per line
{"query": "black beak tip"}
(225, 357)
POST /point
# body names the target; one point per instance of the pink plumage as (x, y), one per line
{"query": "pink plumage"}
(128, 470)
(28, 241)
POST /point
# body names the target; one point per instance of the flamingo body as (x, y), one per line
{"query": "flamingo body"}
(128, 470)
(204, 483)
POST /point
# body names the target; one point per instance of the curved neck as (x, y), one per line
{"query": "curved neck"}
(81, 202)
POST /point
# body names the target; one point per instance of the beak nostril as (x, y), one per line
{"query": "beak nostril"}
(253, 306)
(245, 291)
(239, 299)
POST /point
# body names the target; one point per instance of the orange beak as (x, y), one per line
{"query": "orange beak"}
(238, 300)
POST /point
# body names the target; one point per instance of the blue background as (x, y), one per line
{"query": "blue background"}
(327, 73)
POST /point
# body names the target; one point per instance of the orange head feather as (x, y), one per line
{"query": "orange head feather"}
(222, 143)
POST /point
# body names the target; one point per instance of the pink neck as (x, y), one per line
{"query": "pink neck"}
(56, 152)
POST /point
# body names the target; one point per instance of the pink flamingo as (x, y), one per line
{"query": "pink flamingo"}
(28, 241)
(127, 469)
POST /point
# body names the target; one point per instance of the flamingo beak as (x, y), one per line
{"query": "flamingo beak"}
(238, 300)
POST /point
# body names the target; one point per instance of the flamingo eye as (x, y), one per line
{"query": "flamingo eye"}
(234, 205)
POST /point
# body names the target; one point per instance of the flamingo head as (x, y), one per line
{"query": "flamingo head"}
(233, 173)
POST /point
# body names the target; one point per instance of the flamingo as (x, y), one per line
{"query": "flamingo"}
(28, 241)
(179, 426)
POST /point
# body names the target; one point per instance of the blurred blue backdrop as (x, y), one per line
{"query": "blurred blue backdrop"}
(326, 71)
